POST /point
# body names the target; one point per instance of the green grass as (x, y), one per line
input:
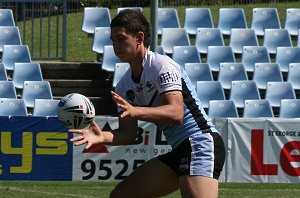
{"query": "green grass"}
(28, 189)
(79, 44)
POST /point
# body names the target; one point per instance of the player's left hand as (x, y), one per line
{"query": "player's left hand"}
(128, 109)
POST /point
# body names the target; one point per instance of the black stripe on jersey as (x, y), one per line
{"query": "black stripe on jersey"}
(152, 99)
(190, 102)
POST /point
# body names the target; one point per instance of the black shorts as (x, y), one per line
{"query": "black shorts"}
(201, 154)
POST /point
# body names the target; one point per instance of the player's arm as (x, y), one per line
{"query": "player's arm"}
(169, 112)
(125, 134)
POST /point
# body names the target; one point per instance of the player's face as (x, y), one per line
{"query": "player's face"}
(125, 45)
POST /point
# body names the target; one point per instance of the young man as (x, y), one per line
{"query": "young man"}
(155, 89)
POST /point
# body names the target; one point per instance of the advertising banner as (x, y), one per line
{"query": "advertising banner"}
(34, 148)
(108, 163)
(263, 150)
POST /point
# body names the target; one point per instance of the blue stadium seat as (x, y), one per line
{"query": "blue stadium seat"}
(6, 17)
(276, 91)
(15, 54)
(217, 55)
(9, 35)
(208, 37)
(292, 21)
(45, 107)
(198, 72)
(289, 108)
(266, 72)
(173, 37)
(119, 9)
(230, 72)
(276, 38)
(120, 70)
(264, 18)
(197, 18)
(222, 109)
(100, 39)
(294, 75)
(7, 89)
(109, 59)
(3, 74)
(257, 109)
(160, 50)
(287, 55)
(185, 54)
(254, 54)
(243, 90)
(95, 17)
(36, 90)
(167, 18)
(209, 90)
(12, 107)
(240, 38)
(26, 72)
(231, 18)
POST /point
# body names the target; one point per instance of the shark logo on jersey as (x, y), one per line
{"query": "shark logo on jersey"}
(130, 96)
(149, 86)
(139, 88)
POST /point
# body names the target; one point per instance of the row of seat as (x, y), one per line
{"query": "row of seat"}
(228, 18)
(289, 108)
(242, 90)
(17, 107)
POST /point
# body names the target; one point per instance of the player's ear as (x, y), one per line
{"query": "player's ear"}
(140, 37)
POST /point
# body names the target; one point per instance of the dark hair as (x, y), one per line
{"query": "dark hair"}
(133, 21)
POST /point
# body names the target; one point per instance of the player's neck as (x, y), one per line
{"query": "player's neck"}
(137, 63)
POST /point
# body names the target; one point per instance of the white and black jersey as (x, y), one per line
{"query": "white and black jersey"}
(161, 74)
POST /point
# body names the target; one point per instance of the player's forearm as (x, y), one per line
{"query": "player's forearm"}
(165, 114)
(116, 137)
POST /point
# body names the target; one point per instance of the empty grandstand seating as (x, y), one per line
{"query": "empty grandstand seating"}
(264, 18)
(9, 35)
(254, 54)
(289, 108)
(222, 109)
(231, 18)
(240, 38)
(120, 70)
(167, 18)
(15, 54)
(257, 109)
(185, 54)
(100, 39)
(3, 74)
(276, 91)
(109, 59)
(276, 38)
(7, 89)
(217, 55)
(12, 107)
(45, 107)
(287, 55)
(197, 18)
(209, 90)
(6, 17)
(294, 75)
(292, 21)
(266, 72)
(243, 90)
(198, 72)
(36, 90)
(208, 37)
(95, 17)
(173, 37)
(119, 9)
(26, 72)
(230, 72)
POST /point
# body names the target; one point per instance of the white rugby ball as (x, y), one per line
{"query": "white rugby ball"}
(75, 111)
